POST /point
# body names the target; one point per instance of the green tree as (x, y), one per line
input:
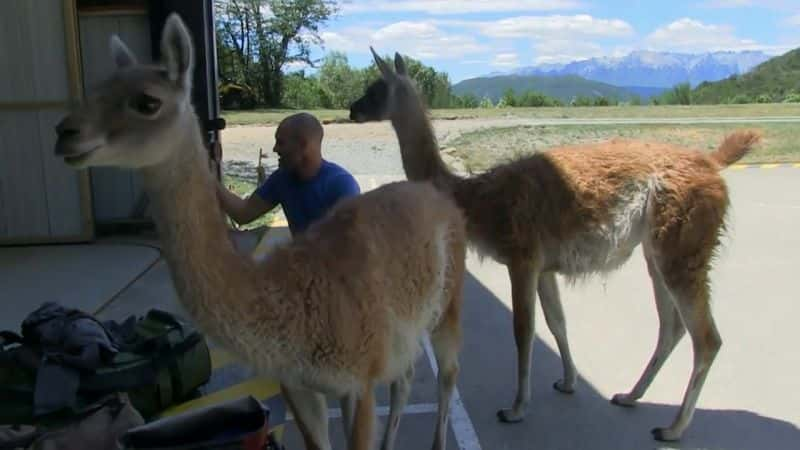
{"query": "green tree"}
(741, 99)
(468, 100)
(534, 99)
(260, 37)
(434, 87)
(303, 92)
(792, 97)
(764, 98)
(509, 99)
(682, 94)
(582, 100)
(342, 83)
(604, 101)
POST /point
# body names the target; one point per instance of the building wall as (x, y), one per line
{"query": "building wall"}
(41, 199)
(60, 50)
(116, 193)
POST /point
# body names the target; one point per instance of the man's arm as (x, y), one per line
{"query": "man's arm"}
(242, 210)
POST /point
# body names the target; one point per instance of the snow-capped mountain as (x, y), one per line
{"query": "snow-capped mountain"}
(655, 69)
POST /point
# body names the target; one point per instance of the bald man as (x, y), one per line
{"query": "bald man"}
(305, 184)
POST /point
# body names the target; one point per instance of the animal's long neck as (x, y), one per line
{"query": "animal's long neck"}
(214, 281)
(418, 146)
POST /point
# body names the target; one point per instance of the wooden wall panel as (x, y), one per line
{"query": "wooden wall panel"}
(22, 180)
(115, 192)
(41, 199)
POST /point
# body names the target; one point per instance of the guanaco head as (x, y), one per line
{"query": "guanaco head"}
(387, 94)
(133, 116)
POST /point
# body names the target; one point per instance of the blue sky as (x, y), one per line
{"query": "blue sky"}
(467, 38)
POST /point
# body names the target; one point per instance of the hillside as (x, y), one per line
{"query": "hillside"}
(775, 78)
(564, 88)
(645, 92)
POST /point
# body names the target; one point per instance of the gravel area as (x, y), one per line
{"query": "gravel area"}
(364, 149)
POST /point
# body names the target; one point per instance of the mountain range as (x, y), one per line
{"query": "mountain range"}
(654, 69)
(642, 74)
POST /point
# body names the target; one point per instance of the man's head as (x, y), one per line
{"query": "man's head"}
(298, 143)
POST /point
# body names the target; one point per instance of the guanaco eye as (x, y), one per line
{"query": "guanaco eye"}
(145, 104)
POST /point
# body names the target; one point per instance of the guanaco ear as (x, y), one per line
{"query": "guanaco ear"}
(177, 51)
(122, 55)
(399, 64)
(386, 71)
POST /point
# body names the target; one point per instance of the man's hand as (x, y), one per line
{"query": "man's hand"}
(242, 211)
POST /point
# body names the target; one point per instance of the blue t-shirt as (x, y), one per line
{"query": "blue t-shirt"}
(304, 202)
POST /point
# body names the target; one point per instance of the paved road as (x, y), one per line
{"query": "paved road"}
(751, 398)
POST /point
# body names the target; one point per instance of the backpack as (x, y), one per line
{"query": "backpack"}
(162, 361)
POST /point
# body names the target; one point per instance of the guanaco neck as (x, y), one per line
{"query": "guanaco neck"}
(419, 148)
(214, 281)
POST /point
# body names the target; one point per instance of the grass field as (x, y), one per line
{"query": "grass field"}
(478, 150)
(241, 178)
(272, 117)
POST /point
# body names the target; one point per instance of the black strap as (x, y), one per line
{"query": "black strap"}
(215, 124)
(10, 337)
(165, 317)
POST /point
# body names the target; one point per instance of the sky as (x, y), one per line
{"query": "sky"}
(468, 38)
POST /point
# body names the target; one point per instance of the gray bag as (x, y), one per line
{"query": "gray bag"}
(98, 427)
(14, 437)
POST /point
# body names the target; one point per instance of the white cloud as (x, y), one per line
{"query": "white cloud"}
(564, 51)
(506, 60)
(545, 27)
(422, 40)
(342, 40)
(794, 20)
(457, 6)
(689, 35)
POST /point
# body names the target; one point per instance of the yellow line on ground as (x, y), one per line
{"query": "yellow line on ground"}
(770, 166)
(796, 166)
(260, 388)
(739, 166)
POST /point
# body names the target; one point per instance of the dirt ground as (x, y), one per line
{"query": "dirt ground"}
(474, 144)
(363, 147)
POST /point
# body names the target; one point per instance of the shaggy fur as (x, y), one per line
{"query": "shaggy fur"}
(582, 210)
(337, 310)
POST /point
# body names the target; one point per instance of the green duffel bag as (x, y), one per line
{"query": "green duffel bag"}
(163, 363)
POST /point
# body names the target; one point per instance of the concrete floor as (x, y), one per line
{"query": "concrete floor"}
(751, 398)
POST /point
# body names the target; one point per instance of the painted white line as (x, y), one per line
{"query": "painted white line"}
(383, 411)
(466, 437)
(372, 183)
(776, 205)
